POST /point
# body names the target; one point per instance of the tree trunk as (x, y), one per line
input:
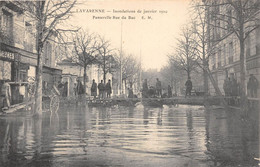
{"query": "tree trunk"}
(205, 82)
(84, 85)
(175, 87)
(243, 98)
(38, 92)
(188, 73)
(205, 74)
(104, 77)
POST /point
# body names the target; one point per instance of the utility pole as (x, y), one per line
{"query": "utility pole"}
(120, 86)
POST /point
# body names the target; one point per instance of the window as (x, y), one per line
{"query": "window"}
(213, 61)
(248, 45)
(219, 58)
(224, 54)
(7, 23)
(229, 15)
(29, 38)
(47, 53)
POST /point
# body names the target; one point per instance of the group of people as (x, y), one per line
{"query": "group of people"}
(157, 91)
(232, 88)
(104, 89)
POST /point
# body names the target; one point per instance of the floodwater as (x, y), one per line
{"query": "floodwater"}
(129, 136)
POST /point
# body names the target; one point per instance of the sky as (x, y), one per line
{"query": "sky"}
(149, 36)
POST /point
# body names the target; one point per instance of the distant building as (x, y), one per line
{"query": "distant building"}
(71, 71)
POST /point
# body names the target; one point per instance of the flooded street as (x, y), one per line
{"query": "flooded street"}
(129, 136)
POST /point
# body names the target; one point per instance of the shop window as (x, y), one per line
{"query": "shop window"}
(23, 76)
(5, 70)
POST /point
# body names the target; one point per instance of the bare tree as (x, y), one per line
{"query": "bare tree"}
(185, 57)
(47, 14)
(201, 37)
(106, 57)
(130, 69)
(239, 18)
(171, 74)
(86, 51)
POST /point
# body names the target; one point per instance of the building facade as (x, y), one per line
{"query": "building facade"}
(18, 58)
(224, 61)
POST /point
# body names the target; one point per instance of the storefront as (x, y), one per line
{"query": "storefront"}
(14, 67)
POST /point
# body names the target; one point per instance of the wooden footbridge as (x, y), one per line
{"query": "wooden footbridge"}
(153, 102)
(158, 102)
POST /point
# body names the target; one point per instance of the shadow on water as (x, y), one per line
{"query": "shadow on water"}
(79, 136)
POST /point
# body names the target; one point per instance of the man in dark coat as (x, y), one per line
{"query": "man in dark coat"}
(234, 86)
(94, 89)
(158, 87)
(169, 91)
(145, 88)
(65, 90)
(101, 88)
(252, 86)
(227, 86)
(188, 85)
(108, 89)
(80, 88)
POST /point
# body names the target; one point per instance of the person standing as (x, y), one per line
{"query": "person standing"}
(227, 86)
(6, 94)
(94, 89)
(101, 88)
(252, 86)
(108, 89)
(61, 87)
(65, 89)
(80, 90)
(145, 88)
(234, 86)
(188, 85)
(158, 87)
(169, 91)
(75, 90)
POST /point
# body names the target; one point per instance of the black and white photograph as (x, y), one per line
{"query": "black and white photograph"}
(129, 83)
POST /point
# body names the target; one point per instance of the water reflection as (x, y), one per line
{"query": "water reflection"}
(115, 136)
